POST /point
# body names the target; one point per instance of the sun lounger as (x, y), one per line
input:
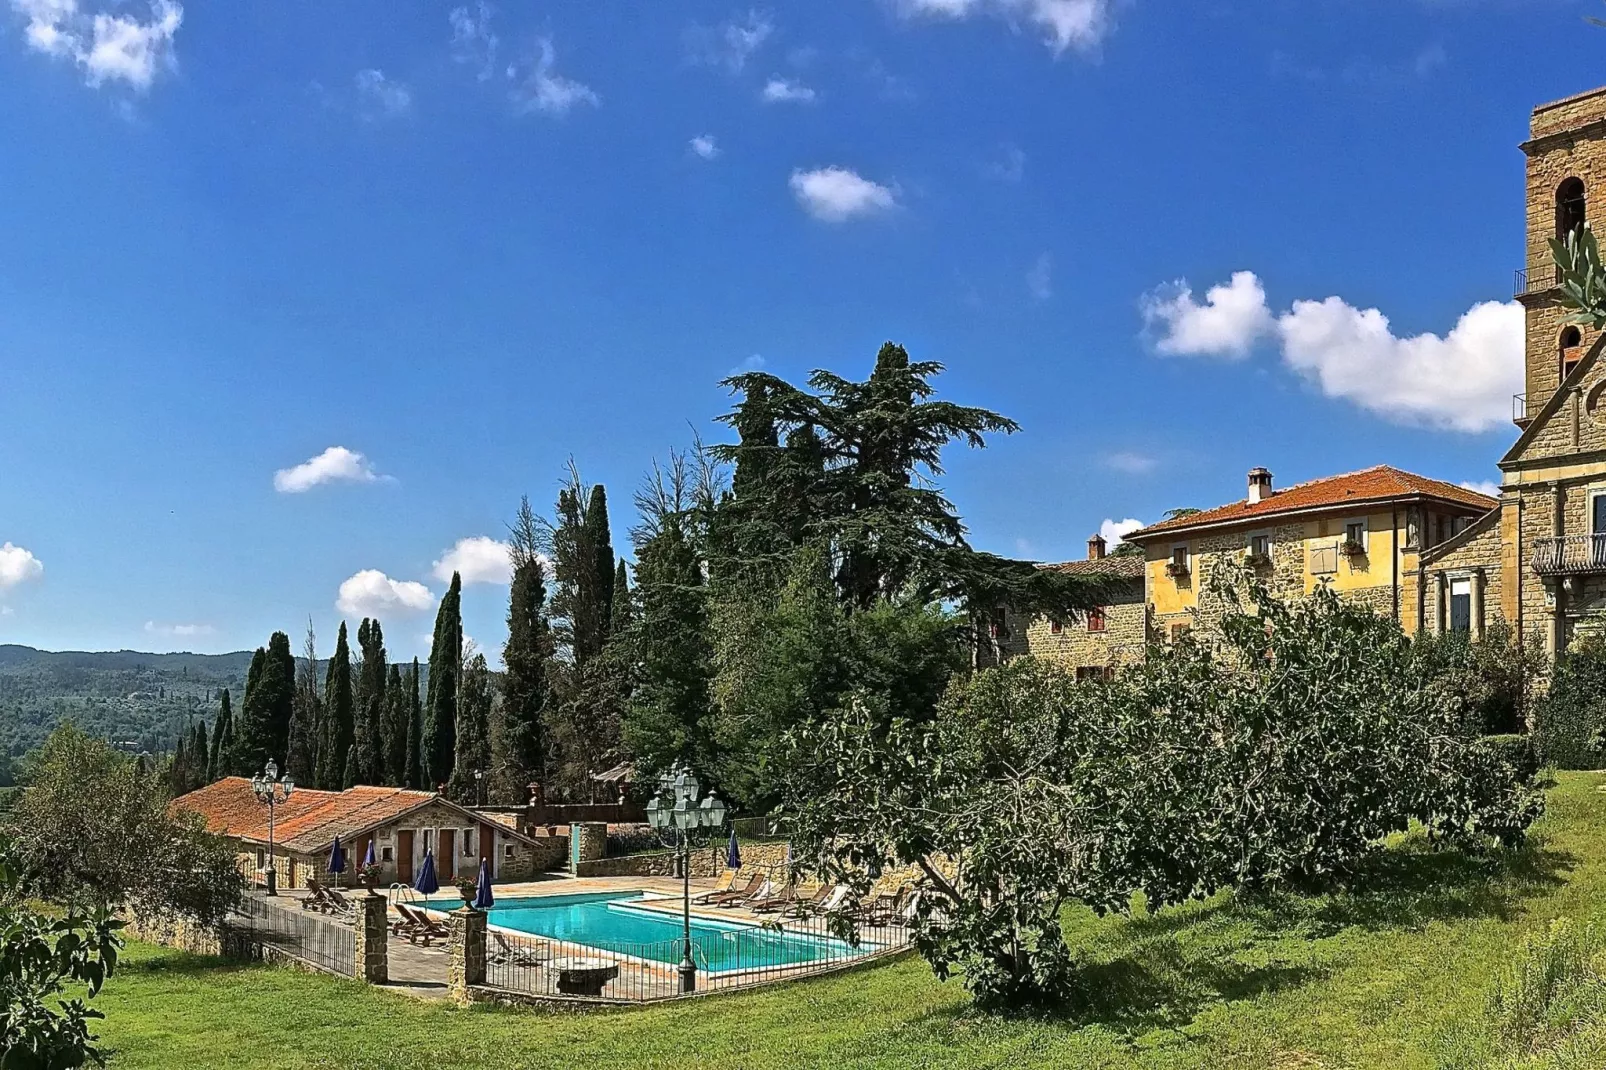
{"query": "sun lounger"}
(317, 897)
(882, 909)
(339, 904)
(774, 901)
(814, 904)
(731, 898)
(525, 955)
(421, 926)
(764, 890)
(724, 885)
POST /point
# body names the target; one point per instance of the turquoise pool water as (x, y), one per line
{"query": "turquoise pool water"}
(608, 920)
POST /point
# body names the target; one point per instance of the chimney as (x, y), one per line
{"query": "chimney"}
(1096, 547)
(1259, 485)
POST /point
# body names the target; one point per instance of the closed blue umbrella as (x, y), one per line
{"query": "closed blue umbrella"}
(483, 900)
(733, 855)
(368, 859)
(337, 858)
(426, 881)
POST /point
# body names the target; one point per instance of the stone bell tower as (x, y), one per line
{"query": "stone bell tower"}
(1566, 154)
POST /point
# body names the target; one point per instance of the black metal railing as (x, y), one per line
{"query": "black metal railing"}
(1519, 409)
(1536, 282)
(328, 943)
(1570, 554)
(728, 956)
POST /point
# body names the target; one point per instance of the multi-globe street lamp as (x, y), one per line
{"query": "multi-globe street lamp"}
(272, 790)
(676, 809)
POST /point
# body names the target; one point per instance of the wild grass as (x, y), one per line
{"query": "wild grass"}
(1399, 970)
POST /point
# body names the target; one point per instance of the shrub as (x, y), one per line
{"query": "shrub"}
(1493, 679)
(1569, 718)
(1517, 752)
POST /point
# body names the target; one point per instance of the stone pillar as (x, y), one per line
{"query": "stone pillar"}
(1477, 603)
(593, 840)
(1440, 608)
(371, 945)
(466, 943)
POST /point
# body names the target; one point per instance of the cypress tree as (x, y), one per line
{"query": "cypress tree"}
(240, 753)
(200, 757)
(519, 744)
(439, 743)
(178, 770)
(338, 715)
(414, 775)
(349, 778)
(621, 599)
(306, 721)
(473, 731)
(398, 717)
(222, 740)
(370, 726)
(279, 696)
(599, 543)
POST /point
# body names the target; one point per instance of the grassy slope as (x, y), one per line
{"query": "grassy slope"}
(1386, 977)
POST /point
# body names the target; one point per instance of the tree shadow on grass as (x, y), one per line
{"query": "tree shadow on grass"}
(1158, 971)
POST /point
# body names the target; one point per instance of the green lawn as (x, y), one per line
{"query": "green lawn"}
(1392, 975)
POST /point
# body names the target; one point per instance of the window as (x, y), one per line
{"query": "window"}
(468, 843)
(997, 627)
(1571, 347)
(1055, 627)
(507, 851)
(387, 854)
(262, 859)
(1260, 547)
(1178, 565)
(1458, 524)
(1571, 210)
(1095, 619)
(429, 839)
(1597, 513)
(1355, 536)
(1461, 605)
(1084, 673)
(1178, 631)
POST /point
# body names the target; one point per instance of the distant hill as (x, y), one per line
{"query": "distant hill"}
(137, 700)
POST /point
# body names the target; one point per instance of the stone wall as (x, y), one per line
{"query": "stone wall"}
(1122, 642)
(706, 861)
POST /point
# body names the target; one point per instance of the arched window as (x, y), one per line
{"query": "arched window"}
(1570, 211)
(1572, 348)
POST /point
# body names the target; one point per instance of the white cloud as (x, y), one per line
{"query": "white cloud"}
(1130, 462)
(178, 631)
(1079, 24)
(1113, 531)
(786, 91)
(1010, 166)
(705, 145)
(109, 47)
(1483, 486)
(480, 559)
(836, 194)
(371, 593)
(1461, 382)
(1229, 322)
(18, 566)
(540, 88)
(1040, 278)
(335, 464)
(380, 96)
(732, 44)
(473, 43)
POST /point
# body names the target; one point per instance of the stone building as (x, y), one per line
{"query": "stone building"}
(401, 824)
(1103, 639)
(1361, 533)
(1539, 562)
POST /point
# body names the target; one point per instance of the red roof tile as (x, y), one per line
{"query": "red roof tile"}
(1378, 484)
(1121, 567)
(309, 820)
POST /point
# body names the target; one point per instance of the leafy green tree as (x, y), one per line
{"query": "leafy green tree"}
(370, 716)
(92, 831)
(519, 743)
(306, 716)
(1280, 754)
(42, 957)
(439, 743)
(339, 716)
(222, 763)
(415, 732)
(398, 718)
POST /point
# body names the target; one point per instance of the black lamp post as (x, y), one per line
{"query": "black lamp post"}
(676, 808)
(272, 790)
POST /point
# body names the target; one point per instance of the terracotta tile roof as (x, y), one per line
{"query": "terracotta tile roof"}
(309, 820)
(1124, 567)
(1378, 484)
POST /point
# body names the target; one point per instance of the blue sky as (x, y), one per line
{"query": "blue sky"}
(460, 244)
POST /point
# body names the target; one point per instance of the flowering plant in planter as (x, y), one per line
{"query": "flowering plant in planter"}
(370, 875)
(467, 888)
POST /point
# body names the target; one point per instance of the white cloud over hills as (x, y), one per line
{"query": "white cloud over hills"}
(18, 565)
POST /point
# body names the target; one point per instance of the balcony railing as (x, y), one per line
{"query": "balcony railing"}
(1519, 410)
(1537, 283)
(1570, 555)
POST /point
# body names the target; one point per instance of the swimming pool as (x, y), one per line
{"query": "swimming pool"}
(618, 922)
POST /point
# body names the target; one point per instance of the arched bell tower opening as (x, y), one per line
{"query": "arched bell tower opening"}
(1571, 348)
(1572, 211)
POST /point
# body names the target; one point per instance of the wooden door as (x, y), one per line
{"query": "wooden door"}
(404, 855)
(488, 846)
(446, 861)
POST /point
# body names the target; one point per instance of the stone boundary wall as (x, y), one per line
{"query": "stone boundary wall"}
(221, 941)
(706, 861)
